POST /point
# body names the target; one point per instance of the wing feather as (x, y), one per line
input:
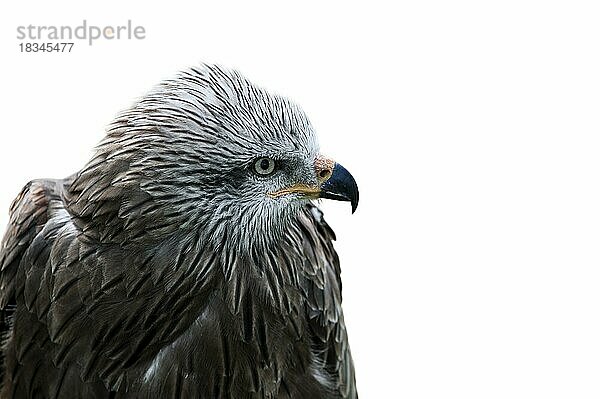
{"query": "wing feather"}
(88, 314)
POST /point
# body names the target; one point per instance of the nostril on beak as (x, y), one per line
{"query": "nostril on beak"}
(323, 168)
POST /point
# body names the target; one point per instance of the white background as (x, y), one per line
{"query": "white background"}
(471, 268)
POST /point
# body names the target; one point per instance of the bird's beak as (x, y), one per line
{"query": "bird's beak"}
(336, 182)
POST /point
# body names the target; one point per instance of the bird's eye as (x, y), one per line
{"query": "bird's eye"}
(264, 166)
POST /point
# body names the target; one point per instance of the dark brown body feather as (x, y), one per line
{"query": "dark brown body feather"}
(90, 312)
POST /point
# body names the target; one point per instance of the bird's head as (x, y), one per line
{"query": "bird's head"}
(220, 155)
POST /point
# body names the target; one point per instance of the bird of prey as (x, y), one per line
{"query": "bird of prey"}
(187, 259)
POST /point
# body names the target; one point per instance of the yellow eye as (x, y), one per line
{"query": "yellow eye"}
(264, 166)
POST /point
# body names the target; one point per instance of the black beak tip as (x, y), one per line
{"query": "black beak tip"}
(354, 203)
